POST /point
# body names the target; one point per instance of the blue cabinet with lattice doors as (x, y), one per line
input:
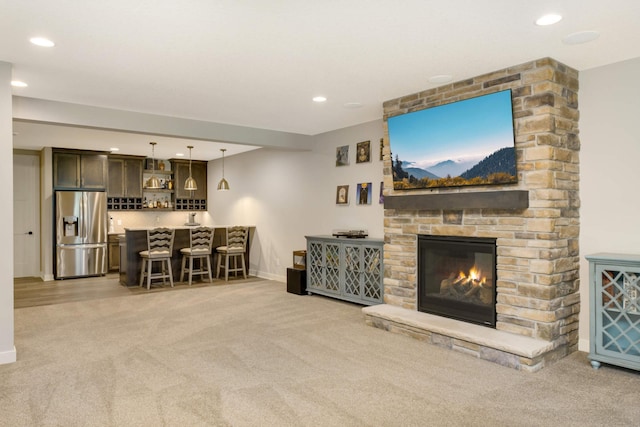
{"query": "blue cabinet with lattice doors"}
(614, 309)
(349, 269)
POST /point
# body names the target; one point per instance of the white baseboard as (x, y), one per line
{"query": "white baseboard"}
(47, 277)
(8, 356)
(269, 276)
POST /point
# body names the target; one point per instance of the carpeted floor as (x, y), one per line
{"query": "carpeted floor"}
(246, 354)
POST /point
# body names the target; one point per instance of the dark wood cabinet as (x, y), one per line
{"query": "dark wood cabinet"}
(114, 252)
(79, 169)
(190, 200)
(66, 170)
(125, 176)
(124, 188)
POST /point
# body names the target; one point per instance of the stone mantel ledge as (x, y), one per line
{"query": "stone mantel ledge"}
(527, 347)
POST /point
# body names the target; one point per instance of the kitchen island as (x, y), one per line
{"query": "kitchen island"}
(135, 240)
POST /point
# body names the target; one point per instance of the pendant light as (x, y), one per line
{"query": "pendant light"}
(190, 184)
(223, 185)
(153, 182)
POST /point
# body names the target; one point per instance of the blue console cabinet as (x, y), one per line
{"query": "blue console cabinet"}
(348, 269)
(614, 309)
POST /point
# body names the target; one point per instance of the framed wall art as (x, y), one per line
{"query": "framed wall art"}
(363, 152)
(342, 195)
(363, 193)
(342, 155)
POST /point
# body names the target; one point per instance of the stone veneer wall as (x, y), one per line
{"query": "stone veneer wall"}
(537, 247)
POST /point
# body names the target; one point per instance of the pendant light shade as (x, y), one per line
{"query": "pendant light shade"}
(223, 185)
(153, 182)
(190, 183)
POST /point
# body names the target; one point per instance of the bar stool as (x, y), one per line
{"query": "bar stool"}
(235, 248)
(159, 248)
(200, 241)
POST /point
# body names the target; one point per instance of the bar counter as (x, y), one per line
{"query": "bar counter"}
(135, 240)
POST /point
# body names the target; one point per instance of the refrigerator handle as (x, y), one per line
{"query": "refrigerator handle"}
(83, 216)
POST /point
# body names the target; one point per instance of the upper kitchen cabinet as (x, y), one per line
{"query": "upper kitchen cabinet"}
(124, 188)
(125, 176)
(185, 200)
(74, 169)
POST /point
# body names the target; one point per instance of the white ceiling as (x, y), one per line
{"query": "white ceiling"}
(34, 136)
(258, 63)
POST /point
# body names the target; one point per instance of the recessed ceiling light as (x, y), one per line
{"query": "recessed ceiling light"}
(549, 19)
(319, 99)
(41, 41)
(18, 83)
(441, 78)
(114, 149)
(580, 37)
(353, 105)
(180, 154)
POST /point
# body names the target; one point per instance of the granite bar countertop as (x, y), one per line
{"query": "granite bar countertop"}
(176, 227)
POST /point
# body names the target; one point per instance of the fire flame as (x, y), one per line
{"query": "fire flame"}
(474, 277)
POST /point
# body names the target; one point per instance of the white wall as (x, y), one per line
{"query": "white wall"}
(290, 194)
(609, 168)
(7, 349)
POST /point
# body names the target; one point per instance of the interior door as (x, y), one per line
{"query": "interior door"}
(26, 214)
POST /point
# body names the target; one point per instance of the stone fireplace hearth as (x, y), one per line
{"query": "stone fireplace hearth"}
(535, 224)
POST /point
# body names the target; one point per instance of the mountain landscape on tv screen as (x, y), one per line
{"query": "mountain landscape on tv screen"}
(498, 167)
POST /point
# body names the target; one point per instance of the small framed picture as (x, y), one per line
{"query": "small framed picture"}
(363, 193)
(342, 155)
(342, 195)
(363, 152)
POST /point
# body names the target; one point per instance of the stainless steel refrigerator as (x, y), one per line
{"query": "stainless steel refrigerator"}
(81, 233)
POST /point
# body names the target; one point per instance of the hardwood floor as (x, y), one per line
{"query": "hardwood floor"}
(32, 291)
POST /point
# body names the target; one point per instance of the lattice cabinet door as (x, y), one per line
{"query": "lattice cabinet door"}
(372, 275)
(615, 310)
(332, 267)
(315, 268)
(352, 270)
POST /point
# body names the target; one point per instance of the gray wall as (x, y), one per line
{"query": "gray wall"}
(7, 349)
(609, 168)
(290, 194)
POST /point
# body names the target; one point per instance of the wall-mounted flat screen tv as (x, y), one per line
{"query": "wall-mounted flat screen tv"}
(469, 142)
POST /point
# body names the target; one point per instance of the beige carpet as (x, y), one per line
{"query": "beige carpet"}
(245, 354)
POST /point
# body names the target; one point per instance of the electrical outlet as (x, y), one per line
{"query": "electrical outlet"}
(119, 222)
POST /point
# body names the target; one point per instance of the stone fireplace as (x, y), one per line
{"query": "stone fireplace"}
(534, 223)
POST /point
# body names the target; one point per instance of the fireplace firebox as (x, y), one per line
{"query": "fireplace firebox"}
(457, 278)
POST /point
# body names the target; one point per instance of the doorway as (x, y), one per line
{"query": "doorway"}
(26, 215)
